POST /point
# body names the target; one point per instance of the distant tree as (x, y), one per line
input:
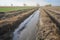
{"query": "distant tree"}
(24, 4)
(11, 4)
(48, 5)
(37, 5)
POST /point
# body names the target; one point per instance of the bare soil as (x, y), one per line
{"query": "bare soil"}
(47, 28)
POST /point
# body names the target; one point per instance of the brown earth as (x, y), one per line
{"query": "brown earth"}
(47, 29)
(56, 8)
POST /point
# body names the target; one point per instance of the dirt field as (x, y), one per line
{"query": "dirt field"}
(49, 24)
(57, 8)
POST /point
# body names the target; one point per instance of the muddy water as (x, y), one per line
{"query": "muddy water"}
(27, 30)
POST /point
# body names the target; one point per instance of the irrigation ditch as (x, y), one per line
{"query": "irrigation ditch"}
(7, 26)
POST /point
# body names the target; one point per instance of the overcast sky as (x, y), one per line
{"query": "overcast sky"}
(28, 2)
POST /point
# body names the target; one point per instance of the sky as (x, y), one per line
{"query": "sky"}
(29, 2)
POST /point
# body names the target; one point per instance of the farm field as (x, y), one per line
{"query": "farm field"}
(55, 12)
(7, 9)
(48, 21)
(57, 8)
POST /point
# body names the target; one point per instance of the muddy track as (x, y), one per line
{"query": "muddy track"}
(7, 26)
(48, 27)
